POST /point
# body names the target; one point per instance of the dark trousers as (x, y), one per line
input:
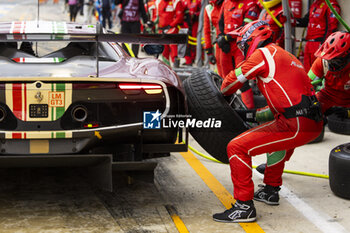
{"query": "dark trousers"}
(106, 16)
(133, 28)
(73, 10)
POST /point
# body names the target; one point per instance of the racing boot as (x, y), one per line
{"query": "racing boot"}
(267, 194)
(241, 211)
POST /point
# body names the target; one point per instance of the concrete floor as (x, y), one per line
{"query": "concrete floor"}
(61, 200)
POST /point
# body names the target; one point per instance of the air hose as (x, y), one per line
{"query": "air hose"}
(284, 171)
(337, 15)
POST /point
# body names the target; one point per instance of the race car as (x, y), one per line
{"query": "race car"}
(69, 89)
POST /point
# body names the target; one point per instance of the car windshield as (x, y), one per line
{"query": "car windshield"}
(55, 58)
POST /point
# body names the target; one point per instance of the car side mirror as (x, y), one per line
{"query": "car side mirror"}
(153, 49)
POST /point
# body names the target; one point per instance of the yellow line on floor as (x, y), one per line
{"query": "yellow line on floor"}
(218, 189)
(181, 227)
(179, 224)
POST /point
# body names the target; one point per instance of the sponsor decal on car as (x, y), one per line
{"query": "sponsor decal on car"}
(56, 98)
(153, 120)
(38, 60)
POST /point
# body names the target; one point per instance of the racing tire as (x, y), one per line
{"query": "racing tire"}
(339, 170)
(205, 101)
(338, 125)
(184, 72)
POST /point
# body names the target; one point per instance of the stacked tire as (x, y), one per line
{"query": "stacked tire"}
(339, 170)
(338, 125)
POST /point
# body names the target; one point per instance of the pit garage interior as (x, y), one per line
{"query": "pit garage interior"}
(177, 193)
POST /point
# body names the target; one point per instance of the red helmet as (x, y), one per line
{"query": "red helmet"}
(337, 45)
(336, 50)
(253, 35)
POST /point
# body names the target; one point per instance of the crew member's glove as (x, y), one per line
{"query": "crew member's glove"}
(211, 57)
(164, 29)
(224, 42)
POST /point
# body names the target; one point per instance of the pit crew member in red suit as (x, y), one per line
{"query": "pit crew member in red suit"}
(211, 19)
(170, 15)
(235, 13)
(151, 8)
(276, 9)
(320, 22)
(332, 63)
(281, 78)
(193, 9)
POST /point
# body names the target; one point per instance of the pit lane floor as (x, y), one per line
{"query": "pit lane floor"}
(186, 187)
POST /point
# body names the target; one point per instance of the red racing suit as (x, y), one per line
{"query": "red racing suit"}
(211, 20)
(337, 85)
(170, 13)
(151, 8)
(193, 7)
(278, 33)
(235, 13)
(321, 23)
(283, 81)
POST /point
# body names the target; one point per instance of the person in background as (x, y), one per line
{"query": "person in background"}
(73, 9)
(289, 94)
(106, 11)
(333, 64)
(88, 8)
(275, 6)
(235, 13)
(320, 22)
(210, 30)
(170, 16)
(81, 7)
(65, 6)
(130, 16)
(193, 8)
(151, 9)
(98, 10)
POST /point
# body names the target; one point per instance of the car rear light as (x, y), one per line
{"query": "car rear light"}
(135, 88)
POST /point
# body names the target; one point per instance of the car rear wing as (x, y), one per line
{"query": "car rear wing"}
(62, 31)
(31, 31)
(119, 38)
